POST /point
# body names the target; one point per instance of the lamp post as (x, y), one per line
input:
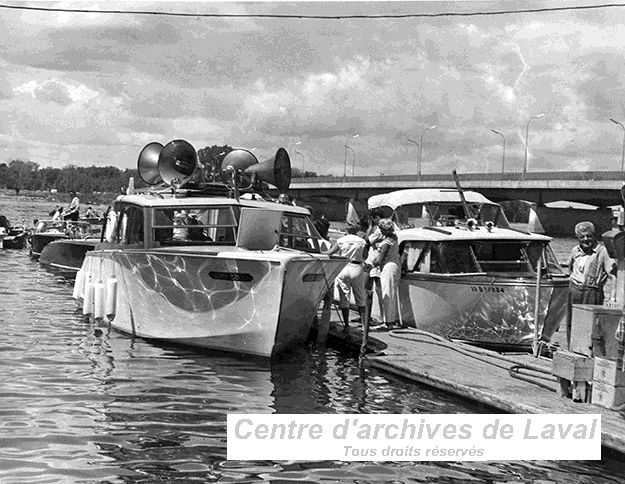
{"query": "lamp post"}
(353, 157)
(294, 144)
(623, 152)
(503, 154)
(303, 159)
(527, 132)
(416, 144)
(421, 149)
(346, 148)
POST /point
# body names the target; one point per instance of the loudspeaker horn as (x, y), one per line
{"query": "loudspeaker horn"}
(177, 160)
(239, 160)
(276, 170)
(147, 164)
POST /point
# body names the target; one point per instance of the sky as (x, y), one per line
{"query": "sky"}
(93, 88)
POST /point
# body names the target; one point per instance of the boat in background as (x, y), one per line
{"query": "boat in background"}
(14, 238)
(47, 231)
(67, 255)
(194, 262)
(466, 275)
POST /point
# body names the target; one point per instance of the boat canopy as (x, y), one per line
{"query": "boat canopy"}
(423, 195)
(418, 207)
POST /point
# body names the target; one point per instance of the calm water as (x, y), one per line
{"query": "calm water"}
(81, 403)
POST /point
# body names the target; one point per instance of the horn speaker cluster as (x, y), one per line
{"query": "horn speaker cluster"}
(158, 163)
(178, 160)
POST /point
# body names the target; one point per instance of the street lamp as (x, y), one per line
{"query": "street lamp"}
(346, 148)
(623, 152)
(421, 149)
(293, 145)
(503, 154)
(303, 159)
(527, 132)
(353, 157)
(415, 143)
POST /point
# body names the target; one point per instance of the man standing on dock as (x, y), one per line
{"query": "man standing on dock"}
(352, 278)
(590, 268)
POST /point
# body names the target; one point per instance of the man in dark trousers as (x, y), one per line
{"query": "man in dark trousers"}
(590, 268)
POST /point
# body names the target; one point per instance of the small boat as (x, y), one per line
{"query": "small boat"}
(67, 255)
(14, 238)
(47, 231)
(201, 260)
(467, 275)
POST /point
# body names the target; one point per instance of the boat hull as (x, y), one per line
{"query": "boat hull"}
(14, 240)
(66, 255)
(229, 301)
(482, 309)
(38, 242)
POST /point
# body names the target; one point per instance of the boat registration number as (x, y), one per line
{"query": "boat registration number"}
(487, 289)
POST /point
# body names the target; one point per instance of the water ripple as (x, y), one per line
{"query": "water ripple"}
(82, 403)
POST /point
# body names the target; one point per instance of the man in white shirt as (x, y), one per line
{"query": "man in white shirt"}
(73, 210)
(352, 277)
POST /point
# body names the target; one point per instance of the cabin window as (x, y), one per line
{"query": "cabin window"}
(411, 215)
(446, 214)
(131, 227)
(503, 257)
(550, 261)
(195, 226)
(493, 213)
(454, 258)
(415, 257)
(517, 257)
(125, 225)
(298, 232)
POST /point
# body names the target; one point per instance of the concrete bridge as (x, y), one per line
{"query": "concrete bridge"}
(599, 188)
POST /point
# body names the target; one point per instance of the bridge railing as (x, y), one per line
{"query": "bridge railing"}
(437, 177)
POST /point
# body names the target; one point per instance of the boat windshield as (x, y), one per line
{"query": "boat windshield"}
(73, 229)
(195, 225)
(298, 232)
(217, 225)
(518, 258)
(447, 214)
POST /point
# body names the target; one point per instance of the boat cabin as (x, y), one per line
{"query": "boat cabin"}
(149, 221)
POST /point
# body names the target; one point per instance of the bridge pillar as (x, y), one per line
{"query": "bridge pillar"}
(562, 221)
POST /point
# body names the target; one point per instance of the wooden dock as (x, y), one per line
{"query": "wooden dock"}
(512, 383)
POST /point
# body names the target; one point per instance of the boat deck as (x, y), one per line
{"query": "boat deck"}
(512, 383)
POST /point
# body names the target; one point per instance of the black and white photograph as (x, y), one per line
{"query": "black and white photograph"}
(320, 241)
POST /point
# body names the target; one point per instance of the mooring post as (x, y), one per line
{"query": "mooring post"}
(324, 321)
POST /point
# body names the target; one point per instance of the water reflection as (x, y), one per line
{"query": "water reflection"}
(83, 403)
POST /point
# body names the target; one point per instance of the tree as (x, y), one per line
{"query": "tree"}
(213, 156)
(20, 173)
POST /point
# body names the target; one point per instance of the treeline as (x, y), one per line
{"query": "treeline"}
(21, 175)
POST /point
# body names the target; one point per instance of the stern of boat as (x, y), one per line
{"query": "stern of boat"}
(306, 281)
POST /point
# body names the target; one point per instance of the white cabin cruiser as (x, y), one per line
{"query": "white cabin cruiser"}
(202, 263)
(467, 275)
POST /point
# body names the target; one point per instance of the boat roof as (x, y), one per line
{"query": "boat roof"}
(423, 195)
(158, 201)
(450, 234)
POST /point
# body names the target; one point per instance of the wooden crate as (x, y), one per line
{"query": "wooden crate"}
(600, 322)
(572, 366)
(605, 371)
(607, 396)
